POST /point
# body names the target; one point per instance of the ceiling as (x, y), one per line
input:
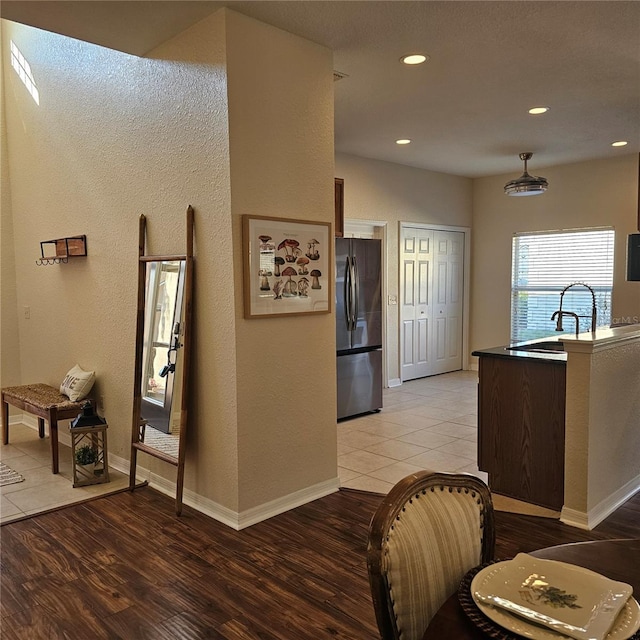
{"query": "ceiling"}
(465, 110)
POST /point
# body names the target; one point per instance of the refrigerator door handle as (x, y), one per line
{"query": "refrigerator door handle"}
(347, 293)
(356, 291)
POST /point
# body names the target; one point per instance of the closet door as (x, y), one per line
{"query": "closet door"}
(431, 271)
(448, 272)
(415, 327)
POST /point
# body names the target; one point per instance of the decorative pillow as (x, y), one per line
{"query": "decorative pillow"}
(77, 383)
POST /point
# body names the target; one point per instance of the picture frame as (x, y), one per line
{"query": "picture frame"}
(287, 266)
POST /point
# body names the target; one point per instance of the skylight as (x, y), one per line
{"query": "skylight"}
(22, 68)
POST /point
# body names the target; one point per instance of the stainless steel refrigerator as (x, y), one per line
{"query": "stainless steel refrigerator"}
(359, 325)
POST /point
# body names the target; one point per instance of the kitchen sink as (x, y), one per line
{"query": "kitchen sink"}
(539, 347)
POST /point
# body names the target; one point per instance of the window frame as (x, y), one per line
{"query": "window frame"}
(530, 303)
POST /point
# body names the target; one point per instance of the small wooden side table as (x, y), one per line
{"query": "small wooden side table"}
(95, 438)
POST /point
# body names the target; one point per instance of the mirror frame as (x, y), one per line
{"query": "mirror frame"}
(137, 424)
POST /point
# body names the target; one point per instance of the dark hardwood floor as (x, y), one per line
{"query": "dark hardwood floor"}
(125, 567)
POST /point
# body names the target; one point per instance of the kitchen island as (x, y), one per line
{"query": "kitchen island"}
(521, 430)
(586, 464)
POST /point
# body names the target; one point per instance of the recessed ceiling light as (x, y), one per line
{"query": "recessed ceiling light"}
(414, 58)
(403, 141)
(536, 111)
(620, 143)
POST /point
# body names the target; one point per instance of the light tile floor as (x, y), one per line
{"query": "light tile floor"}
(430, 423)
(41, 490)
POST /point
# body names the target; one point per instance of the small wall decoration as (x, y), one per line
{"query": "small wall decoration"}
(287, 266)
(60, 250)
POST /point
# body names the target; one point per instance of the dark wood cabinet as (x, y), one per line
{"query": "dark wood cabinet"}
(339, 194)
(521, 404)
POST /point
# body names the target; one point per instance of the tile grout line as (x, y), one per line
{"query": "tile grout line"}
(460, 394)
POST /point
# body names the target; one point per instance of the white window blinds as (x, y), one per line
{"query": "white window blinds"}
(544, 264)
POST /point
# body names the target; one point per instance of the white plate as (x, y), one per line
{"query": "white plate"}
(569, 599)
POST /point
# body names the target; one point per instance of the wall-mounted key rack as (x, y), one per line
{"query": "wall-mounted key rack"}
(61, 249)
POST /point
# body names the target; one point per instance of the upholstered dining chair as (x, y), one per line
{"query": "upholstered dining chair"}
(427, 533)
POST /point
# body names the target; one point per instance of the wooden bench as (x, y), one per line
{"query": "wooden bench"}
(47, 403)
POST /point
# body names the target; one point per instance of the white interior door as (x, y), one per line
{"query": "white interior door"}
(447, 301)
(415, 327)
(432, 272)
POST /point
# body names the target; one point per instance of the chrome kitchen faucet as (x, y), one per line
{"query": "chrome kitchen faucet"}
(560, 313)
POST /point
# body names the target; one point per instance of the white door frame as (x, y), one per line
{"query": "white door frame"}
(466, 303)
(353, 228)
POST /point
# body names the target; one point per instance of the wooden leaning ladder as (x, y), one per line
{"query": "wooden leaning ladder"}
(136, 423)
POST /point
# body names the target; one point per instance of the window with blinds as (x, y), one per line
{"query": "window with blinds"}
(544, 264)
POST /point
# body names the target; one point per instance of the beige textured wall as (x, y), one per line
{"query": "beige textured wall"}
(614, 425)
(587, 194)
(9, 326)
(194, 70)
(602, 426)
(281, 133)
(115, 136)
(375, 190)
(576, 471)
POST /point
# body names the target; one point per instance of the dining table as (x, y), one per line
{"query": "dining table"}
(616, 559)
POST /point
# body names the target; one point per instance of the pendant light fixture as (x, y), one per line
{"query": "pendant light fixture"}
(526, 185)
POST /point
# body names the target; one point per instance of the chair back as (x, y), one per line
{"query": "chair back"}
(428, 532)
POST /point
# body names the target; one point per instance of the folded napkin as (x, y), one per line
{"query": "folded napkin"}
(569, 599)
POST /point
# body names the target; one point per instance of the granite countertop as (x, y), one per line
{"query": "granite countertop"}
(585, 342)
(507, 351)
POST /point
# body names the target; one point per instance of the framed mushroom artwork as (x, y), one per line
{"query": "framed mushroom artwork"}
(287, 266)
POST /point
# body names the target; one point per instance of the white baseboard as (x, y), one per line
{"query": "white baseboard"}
(286, 503)
(218, 512)
(29, 420)
(24, 418)
(575, 518)
(200, 503)
(603, 509)
(397, 382)
(119, 464)
(251, 516)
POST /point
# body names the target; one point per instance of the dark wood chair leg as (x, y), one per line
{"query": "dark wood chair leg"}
(5, 421)
(53, 435)
(41, 427)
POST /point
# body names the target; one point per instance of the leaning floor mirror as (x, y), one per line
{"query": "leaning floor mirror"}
(163, 339)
